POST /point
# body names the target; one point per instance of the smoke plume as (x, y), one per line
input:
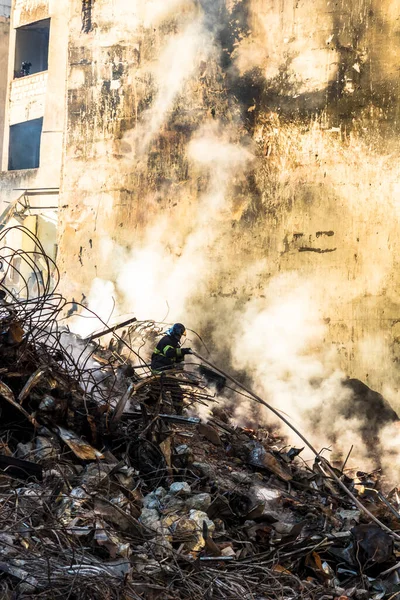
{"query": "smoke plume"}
(262, 177)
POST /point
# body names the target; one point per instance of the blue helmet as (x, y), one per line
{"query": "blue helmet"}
(177, 330)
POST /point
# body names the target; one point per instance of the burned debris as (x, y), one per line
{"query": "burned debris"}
(106, 492)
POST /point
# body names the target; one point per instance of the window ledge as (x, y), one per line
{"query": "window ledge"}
(31, 76)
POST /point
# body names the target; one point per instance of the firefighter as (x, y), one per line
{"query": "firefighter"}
(168, 352)
(167, 355)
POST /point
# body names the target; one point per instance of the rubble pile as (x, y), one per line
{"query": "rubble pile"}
(101, 498)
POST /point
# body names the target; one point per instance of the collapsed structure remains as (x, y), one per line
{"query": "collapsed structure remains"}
(107, 493)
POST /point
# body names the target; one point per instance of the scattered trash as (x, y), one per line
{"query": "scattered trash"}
(80, 448)
(372, 545)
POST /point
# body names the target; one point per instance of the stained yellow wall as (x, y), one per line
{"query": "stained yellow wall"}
(258, 141)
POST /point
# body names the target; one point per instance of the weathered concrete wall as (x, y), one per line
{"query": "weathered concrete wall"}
(5, 10)
(255, 138)
(29, 11)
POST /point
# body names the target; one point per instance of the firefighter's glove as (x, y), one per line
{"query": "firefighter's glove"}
(186, 351)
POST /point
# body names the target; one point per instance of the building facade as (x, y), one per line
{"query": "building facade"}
(212, 155)
(33, 110)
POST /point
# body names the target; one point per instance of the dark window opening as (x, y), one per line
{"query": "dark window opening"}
(32, 48)
(24, 148)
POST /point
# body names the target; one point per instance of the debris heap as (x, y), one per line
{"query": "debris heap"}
(99, 502)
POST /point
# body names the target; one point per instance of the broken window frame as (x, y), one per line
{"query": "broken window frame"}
(23, 66)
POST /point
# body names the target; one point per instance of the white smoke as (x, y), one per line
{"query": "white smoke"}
(170, 267)
(154, 12)
(279, 337)
(177, 64)
(101, 302)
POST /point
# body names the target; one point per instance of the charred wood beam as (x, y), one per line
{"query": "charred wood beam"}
(21, 469)
(96, 336)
